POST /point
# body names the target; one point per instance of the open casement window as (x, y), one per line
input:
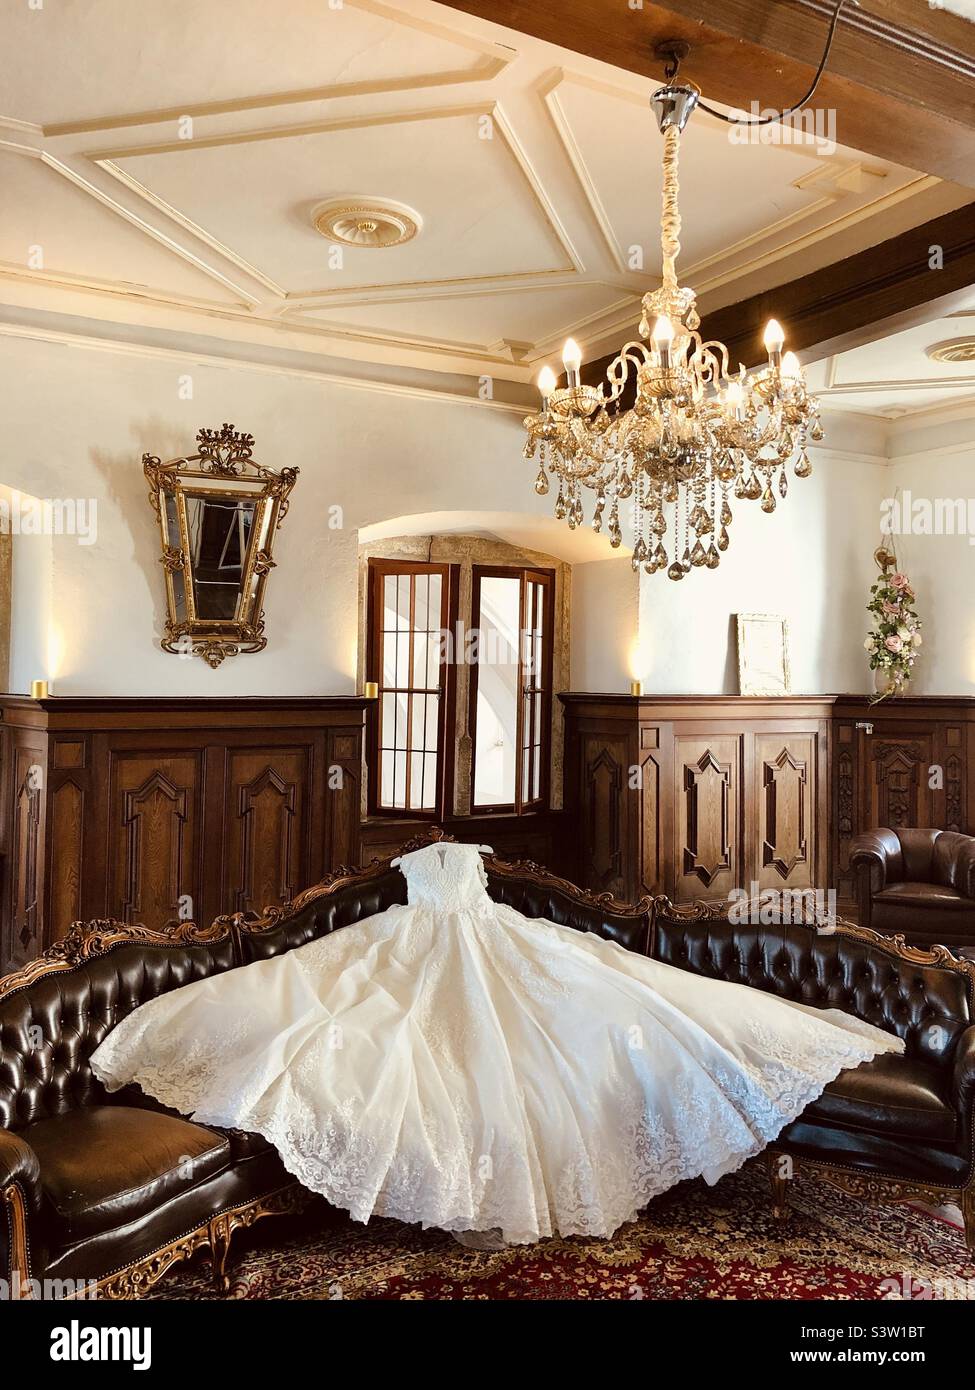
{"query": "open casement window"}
(409, 616)
(511, 688)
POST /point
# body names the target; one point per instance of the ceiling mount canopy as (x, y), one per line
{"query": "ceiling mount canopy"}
(366, 222)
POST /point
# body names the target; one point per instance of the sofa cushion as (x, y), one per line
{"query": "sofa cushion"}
(106, 1165)
(890, 1095)
(924, 895)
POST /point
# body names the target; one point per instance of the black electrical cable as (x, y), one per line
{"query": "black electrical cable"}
(781, 115)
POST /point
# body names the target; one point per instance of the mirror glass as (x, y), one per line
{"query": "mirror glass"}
(219, 532)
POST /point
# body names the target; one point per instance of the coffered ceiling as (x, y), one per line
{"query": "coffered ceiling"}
(900, 375)
(163, 164)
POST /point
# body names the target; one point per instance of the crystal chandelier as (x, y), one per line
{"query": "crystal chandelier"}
(697, 434)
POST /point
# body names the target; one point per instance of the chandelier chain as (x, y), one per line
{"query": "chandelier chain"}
(670, 222)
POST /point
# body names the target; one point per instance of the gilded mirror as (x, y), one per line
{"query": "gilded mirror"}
(218, 512)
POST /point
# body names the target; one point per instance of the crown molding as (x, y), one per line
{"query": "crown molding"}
(189, 356)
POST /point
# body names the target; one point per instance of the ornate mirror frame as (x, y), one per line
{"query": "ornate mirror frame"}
(223, 470)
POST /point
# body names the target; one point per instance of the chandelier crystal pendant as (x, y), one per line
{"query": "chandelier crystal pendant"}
(697, 434)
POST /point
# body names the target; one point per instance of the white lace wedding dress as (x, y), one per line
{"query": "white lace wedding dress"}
(454, 1063)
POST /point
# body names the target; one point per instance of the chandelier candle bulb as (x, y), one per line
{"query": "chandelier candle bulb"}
(790, 369)
(733, 398)
(38, 690)
(546, 384)
(572, 361)
(371, 690)
(663, 337)
(774, 338)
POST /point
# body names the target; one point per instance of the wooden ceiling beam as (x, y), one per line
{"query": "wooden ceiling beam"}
(878, 291)
(900, 79)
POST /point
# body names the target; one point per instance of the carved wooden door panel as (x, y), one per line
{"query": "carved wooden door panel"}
(267, 792)
(785, 765)
(153, 839)
(897, 791)
(29, 769)
(604, 797)
(708, 819)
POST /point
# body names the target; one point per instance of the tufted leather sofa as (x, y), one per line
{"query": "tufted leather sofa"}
(899, 1128)
(919, 883)
(114, 1189)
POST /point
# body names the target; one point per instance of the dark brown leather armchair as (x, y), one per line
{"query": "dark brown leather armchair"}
(919, 883)
(110, 1190)
(113, 1189)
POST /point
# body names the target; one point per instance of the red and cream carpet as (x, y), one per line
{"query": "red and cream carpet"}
(694, 1243)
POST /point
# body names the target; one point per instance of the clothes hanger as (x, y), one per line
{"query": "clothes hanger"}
(481, 849)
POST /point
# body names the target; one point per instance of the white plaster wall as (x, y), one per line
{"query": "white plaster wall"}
(77, 422)
(605, 617)
(809, 561)
(942, 571)
(31, 581)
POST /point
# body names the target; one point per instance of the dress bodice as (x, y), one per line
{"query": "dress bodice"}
(446, 877)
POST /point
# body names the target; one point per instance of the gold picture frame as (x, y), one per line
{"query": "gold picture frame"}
(218, 512)
(763, 654)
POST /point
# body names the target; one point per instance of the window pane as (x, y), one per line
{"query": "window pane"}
(389, 603)
(420, 645)
(388, 721)
(386, 785)
(430, 782)
(410, 675)
(401, 735)
(389, 659)
(421, 602)
(403, 602)
(399, 780)
(436, 598)
(419, 719)
(498, 625)
(400, 644)
(433, 661)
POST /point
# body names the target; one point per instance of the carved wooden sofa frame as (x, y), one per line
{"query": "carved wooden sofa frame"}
(643, 926)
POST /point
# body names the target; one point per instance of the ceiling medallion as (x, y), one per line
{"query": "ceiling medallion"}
(367, 223)
(954, 350)
(698, 431)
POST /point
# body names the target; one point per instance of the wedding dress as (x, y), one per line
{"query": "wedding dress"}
(453, 1063)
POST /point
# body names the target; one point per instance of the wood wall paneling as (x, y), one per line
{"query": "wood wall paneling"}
(26, 888)
(266, 826)
(154, 843)
(156, 809)
(731, 793)
(786, 770)
(707, 796)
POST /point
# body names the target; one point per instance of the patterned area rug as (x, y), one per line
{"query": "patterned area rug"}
(693, 1243)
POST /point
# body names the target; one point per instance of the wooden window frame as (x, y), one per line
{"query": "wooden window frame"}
(378, 571)
(526, 574)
